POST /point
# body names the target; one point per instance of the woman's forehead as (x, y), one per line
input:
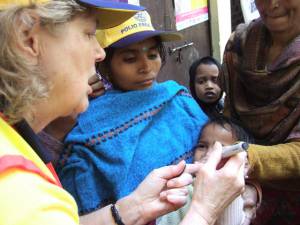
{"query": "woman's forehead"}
(142, 46)
(86, 20)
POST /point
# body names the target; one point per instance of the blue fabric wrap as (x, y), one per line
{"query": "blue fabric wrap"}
(123, 136)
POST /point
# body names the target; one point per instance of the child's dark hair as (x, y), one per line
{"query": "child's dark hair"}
(235, 127)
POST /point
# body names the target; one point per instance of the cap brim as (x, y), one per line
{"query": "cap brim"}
(165, 36)
(111, 13)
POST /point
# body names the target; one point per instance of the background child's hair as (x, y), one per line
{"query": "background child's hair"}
(237, 130)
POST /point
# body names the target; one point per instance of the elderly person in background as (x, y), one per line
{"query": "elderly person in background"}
(261, 78)
(48, 52)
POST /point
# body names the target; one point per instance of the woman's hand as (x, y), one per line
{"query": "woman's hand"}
(215, 187)
(163, 190)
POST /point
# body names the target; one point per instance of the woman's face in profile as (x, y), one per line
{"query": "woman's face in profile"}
(68, 59)
(280, 15)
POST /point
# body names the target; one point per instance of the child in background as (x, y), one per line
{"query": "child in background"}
(240, 211)
(136, 126)
(204, 85)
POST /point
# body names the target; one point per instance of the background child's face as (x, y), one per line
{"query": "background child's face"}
(210, 134)
(135, 67)
(206, 83)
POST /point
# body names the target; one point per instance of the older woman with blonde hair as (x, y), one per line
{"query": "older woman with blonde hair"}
(48, 51)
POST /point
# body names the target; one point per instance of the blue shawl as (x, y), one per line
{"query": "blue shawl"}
(125, 135)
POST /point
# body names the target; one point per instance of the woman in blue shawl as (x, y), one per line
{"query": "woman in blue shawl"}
(136, 126)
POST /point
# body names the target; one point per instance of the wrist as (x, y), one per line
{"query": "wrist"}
(115, 214)
(201, 214)
(130, 211)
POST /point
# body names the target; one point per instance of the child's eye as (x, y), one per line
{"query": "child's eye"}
(200, 146)
(215, 80)
(200, 81)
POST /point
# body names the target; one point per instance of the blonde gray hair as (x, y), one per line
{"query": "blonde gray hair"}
(21, 83)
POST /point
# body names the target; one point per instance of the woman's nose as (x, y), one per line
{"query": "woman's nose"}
(100, 53)
(144, 66)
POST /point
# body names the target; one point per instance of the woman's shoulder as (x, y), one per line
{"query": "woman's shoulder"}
(241, 33)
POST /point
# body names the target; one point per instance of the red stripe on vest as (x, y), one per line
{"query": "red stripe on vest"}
(52, 170)
(16, 161)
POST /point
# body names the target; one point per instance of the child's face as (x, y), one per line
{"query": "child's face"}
(206, 83)
(135, 67)
(210, 134)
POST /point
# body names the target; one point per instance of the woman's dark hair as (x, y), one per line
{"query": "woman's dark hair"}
(235, 127)
(110, 52)
(209, 109)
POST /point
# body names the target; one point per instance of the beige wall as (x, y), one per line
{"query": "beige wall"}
(220, 13)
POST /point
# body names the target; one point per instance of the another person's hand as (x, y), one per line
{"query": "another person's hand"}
(97, 86)
(215, 188)
(252, 199)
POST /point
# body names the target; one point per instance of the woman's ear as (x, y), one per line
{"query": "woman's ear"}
(29, 37)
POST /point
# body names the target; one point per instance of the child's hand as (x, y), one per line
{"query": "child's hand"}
(97, 86)
(251, 201)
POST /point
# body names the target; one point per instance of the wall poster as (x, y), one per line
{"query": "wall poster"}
(190, 12)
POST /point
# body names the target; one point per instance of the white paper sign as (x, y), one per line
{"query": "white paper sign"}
(249, 10)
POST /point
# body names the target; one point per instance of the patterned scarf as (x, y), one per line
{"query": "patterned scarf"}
(266, 98)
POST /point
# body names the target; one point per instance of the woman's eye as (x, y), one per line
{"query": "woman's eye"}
(91, 35)
(129, 59)
(153, 55)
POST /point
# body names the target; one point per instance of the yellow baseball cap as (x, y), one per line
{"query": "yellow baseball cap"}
(110, 14)
(133, 30)
(7, 3)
